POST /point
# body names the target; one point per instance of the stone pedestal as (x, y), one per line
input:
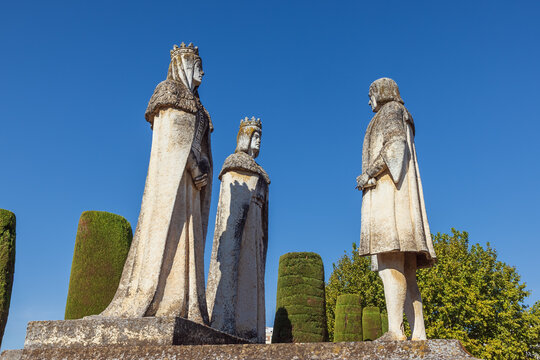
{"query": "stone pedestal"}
(122, 332)
(367, 350)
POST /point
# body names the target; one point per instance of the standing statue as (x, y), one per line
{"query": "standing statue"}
(395, 230)
(235, 292)
(164, 272)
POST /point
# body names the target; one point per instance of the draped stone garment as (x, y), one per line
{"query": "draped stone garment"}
(164, 272)
(235, 291)
(393, 212)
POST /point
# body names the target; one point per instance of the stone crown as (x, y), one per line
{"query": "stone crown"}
(253, 122)
(183, 49)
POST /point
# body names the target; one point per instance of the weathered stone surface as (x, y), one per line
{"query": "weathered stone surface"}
(241, 161)
(394, 228)
(164, 272)
(235, 291)
(11, 355)
(117, 331)
(393, 210)
(410, 350)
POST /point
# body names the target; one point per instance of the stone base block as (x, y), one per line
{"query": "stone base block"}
(11, 355)
(122, 332)
(393, 350)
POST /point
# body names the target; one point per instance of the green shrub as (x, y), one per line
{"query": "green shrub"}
(7, 264)
(371, 323)
(101, 248)
(348, 323)
(384, 322)
(300, 301)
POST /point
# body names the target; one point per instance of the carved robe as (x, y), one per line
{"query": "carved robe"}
(164, 272)
(393, 212)
(235, 291)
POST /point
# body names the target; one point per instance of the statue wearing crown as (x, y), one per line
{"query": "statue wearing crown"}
(235, 291)
(164, 273)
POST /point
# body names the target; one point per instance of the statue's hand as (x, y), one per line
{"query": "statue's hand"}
(201, 181)
(198, 171)
(203, 167)
(361, 181)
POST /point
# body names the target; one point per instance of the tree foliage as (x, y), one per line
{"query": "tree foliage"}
(468, 295)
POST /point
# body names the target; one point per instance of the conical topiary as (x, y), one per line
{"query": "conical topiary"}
(7, 264)
(384, 322)
(348, 323)
(300, 302)
(371, 323)
(101, 248)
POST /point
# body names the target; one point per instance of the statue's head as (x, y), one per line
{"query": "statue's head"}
(186, 66)
(249, 137)
(382, 91)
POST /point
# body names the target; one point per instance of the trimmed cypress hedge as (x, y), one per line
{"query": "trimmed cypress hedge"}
(300, 300)
(101, 248)
(371, 323)
(384, 322)
(348, 324)
(7, 264)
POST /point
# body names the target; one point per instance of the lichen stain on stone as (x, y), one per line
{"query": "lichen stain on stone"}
(240, 176)
(426, 350)
(423, 349)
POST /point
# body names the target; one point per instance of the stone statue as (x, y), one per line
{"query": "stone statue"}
(235, 291)
(164, 272)
(394, 230)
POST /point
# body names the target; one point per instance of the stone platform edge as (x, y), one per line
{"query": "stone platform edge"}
(147, 331)
(392, 350)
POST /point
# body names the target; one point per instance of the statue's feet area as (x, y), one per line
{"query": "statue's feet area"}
(391, 336)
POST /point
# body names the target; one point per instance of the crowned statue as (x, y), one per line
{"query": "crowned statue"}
(164, 273)
(235, 291)
(394, 229)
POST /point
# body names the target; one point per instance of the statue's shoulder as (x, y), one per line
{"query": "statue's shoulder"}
(243, 162)
(394, 115)
(170, 94)
(393, 110)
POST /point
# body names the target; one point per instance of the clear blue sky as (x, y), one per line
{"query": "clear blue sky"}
(76, 76)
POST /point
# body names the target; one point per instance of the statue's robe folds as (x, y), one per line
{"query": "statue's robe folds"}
(235, 291)
(164, 272)
(393, 212)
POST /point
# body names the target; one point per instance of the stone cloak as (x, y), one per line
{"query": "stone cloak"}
(393, 212)
(164, 272)
(235, 291)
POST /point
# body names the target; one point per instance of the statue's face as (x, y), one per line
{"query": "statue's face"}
(372, 101)
(255, 144)
(197, 73)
